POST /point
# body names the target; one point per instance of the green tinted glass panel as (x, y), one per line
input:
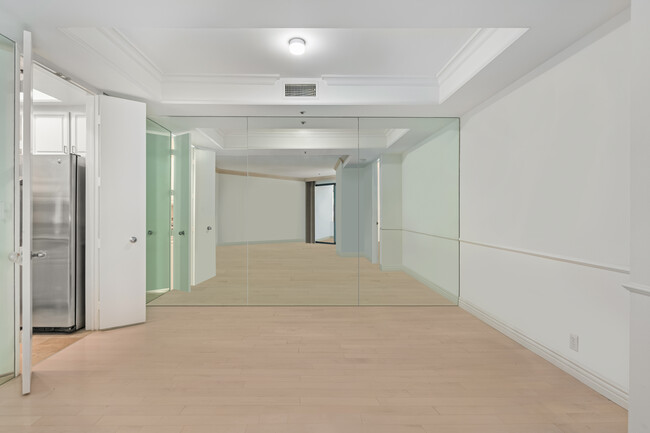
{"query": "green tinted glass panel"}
(159, 143)
(181, 232)
(7, 76)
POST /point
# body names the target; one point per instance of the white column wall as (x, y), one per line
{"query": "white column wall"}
(545, 212)
(430, 211)
(391, 212)
(367, 221)
(639, 416)
(347, 211)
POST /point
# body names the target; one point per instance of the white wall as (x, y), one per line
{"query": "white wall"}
(545, 211)
(347, 211)
(257, 209)
(391, 212)
(639, 285)
(430, 211)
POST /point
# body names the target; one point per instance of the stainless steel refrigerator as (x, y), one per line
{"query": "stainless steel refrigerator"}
(58, 188)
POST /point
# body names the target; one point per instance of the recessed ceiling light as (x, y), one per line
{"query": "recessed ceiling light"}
(297, 46)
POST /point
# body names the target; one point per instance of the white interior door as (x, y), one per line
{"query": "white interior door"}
(26, 338)
(204, 260)
(375, 213)
(122, 212)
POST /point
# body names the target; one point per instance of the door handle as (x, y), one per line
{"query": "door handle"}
(133, 239)
(39, 254)
(209, 227)
(16, 258)
(150, 232)
(181, 233)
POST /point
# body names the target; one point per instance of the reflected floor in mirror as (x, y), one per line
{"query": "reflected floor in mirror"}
(301, 274)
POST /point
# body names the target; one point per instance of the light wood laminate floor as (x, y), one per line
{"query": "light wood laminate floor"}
(304, 370)
(46, 345)
(301, 274)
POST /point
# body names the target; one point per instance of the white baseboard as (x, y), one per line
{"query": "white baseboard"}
(430, 284)
(584, 375)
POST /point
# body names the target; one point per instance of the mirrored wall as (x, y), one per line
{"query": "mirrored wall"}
(314, 211)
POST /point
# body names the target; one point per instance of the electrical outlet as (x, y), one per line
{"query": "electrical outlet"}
(573, 342)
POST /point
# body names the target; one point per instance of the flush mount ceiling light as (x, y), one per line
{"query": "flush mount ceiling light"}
(297, 46)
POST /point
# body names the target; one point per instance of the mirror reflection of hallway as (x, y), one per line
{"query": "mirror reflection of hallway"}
(329, 211)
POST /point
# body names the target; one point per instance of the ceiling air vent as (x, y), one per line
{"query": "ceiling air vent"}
(300, 90)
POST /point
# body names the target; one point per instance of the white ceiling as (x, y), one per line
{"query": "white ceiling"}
(386, 52)
(211, 57)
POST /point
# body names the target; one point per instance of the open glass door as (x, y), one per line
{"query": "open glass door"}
(159, 141)
(181, 211)
(8, 220)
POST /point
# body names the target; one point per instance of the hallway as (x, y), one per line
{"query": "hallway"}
(304, 369)
(291, 273)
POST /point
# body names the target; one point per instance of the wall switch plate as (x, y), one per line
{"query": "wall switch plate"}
(573, 342)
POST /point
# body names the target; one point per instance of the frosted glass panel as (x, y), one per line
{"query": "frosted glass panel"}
(324, 213)
(7, 98)
(159, 142)
(181, 212)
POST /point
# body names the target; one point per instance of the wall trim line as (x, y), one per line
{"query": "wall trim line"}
(574, 261)
(638, 288)
(590, 378)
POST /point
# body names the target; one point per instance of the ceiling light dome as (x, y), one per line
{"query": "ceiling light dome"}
(297, 46)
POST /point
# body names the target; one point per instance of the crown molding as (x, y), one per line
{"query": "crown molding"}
(235, 79)
(129, 48)
(479, 51)
(208, 134)
(379, 80)
(117, 52)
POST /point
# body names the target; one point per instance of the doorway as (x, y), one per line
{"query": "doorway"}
(325, 213)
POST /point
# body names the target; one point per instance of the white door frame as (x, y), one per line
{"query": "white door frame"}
(27, 216)
(17, 210)
(92, 214)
